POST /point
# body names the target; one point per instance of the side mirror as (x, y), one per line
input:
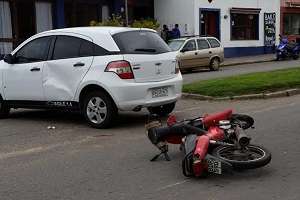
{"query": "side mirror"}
(184, 50)
(10, 59)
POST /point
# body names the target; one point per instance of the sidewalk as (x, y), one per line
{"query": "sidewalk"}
(249, 59)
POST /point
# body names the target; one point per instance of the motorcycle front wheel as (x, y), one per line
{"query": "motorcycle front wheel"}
(250, 158)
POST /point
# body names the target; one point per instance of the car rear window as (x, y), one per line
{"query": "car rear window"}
(140, 42)
(214, 43)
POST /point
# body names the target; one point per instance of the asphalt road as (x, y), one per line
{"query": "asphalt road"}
(74, 161)
(205, 74)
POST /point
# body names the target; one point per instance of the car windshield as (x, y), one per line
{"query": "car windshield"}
(140, 42)
(175, 44)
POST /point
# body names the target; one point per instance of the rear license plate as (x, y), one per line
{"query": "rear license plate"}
(160, 92)
(214, 166)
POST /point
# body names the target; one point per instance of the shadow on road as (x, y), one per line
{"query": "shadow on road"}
(124, 120)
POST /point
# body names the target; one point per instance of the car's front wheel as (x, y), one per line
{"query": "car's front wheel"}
(4, 109)
(99, 109)
(162, 110)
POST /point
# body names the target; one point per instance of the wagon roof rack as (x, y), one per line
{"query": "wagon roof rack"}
(190, 36)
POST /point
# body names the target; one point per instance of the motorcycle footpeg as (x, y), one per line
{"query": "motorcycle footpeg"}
(163, 147)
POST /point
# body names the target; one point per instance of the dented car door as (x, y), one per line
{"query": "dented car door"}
(70, 61)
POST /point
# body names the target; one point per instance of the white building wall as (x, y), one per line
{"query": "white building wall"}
(225, 5)
(187, 12)
(171, 12)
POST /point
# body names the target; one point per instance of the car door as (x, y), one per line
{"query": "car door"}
(188, 55)
(204, 52)
(23, 78)
(71, 59)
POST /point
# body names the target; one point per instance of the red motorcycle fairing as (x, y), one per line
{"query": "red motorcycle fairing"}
(201, 147)
(215, 133)
(200, 164)
(213, 119)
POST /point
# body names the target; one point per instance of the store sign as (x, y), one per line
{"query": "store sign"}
(270, 28)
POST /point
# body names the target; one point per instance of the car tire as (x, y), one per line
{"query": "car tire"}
(162, 110)
(4, 109)
(99, 110)
(214, 64)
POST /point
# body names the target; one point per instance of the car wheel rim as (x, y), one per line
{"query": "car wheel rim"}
(96, 110)
(215, 64)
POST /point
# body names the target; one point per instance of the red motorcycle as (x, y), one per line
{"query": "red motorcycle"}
(212, 144)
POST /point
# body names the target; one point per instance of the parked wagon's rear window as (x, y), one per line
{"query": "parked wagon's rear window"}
(140, 42)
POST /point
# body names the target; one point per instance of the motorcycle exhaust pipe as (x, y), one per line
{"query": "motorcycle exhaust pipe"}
(242, 137)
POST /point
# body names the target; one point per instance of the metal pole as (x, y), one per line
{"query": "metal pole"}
(126, 11)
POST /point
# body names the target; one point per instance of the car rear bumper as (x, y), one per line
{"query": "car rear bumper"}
(132, 96)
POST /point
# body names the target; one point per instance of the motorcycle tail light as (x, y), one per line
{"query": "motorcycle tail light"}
(121, 68)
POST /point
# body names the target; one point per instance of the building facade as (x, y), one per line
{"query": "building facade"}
(290, 19)
(243, 27)
(20, 19)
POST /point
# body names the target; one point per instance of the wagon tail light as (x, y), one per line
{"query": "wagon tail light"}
(177, 69)
(121, 68)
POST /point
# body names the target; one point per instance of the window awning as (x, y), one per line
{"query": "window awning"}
(245, 10)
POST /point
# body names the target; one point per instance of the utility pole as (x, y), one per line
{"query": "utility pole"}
(126, 12)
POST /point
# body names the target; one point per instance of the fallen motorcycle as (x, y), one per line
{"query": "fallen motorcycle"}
(211, 144)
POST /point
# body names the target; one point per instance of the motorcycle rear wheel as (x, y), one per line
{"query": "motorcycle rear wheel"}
(252, 157)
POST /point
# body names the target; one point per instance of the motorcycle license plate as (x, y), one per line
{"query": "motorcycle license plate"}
(160, 92)
(214, 166)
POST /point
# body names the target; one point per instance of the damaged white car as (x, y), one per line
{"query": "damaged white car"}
(97, 70)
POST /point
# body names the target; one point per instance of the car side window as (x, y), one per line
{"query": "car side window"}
(214, 43)
(34, 51)
(190, 46)
(72, 47)
(88, 48)
(202, 44)
(66, 47)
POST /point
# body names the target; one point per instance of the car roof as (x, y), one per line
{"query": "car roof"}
(193, 37)
(97, 29)
(100, 35)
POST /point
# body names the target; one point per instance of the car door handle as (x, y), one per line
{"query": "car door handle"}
(35, 69)
(210, 52)
(196, 53)
(79, 64)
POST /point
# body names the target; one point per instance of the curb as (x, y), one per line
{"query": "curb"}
(247, 62)
(283, 93)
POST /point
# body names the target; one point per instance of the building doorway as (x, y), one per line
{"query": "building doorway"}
(210, 22)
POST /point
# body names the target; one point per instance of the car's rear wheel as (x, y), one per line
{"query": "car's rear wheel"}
(4, 109)
(99, 109)
(163, 110)
(214, 64)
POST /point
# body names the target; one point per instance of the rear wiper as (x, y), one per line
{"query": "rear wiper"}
(146, 50)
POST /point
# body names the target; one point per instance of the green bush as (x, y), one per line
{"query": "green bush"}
(115, 20)
(146, 23)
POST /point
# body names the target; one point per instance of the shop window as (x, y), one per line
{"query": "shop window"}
(244, 26)
(292, 24)
(43, 12)
(5, 28)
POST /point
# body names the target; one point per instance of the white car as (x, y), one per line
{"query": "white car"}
(97, 70)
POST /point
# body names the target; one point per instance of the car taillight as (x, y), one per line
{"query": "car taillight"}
(121, 68)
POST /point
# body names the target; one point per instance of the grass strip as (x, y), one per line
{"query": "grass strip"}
(253, 83)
